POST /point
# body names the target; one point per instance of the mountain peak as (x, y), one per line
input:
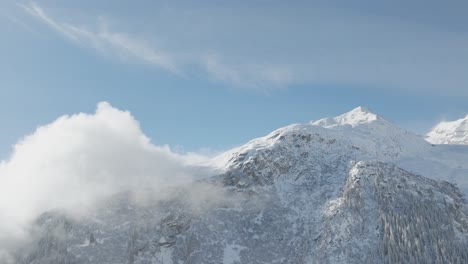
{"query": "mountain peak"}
(355, 117)
(450, 132)
(360, 109)
(359, 128)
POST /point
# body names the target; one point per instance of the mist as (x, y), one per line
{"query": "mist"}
(79, 160)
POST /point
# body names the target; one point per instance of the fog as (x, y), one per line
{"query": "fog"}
(79, 160)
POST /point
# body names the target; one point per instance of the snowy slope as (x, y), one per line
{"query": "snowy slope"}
(351, 189)
(378, 214)
(455, 132)
(387, 215)
(361, 135)
(360, 132)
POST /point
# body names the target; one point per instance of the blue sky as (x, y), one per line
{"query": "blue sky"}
(210, 75)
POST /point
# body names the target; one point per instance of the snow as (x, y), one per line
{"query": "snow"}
(232, 254)
(362, 135)
(355, 117)
(350, 189)
(454, 132)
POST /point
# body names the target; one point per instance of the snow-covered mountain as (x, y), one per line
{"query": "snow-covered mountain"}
(455, 132)
(351, 189)
(360, 133)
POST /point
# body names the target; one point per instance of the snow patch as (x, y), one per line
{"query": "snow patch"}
(454, 132)
(232, 254)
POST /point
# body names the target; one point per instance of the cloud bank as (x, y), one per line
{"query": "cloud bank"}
(79, 160)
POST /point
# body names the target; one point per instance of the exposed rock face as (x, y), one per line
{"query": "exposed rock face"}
(324, 192)
(393, 216)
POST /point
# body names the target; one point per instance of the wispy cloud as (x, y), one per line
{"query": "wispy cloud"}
(248, 75)
(18, 23)
(282, 44)
(125, 46)
(37, 12)
(105, 41)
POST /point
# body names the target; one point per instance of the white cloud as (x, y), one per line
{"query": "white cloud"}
(282, 44)
(250, 76)
(36, 11)
(139, 49)
(79, 160)
(125, 46)
(18, 23)
(107, 42)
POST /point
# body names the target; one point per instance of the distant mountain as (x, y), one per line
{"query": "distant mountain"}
(455, 132)
(350, 189)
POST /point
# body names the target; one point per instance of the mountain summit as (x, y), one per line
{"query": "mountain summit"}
(355, 117)
(454, 132)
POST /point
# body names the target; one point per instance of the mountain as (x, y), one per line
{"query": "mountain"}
(455, 132)
(360, 133)
(350, 189)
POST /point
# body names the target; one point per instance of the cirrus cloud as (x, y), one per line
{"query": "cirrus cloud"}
(278, 45)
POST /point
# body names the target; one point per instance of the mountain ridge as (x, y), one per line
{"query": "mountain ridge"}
(328, 192)
(357, 116)
(450, 132)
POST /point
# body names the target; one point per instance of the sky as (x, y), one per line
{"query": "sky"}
(205, 76)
